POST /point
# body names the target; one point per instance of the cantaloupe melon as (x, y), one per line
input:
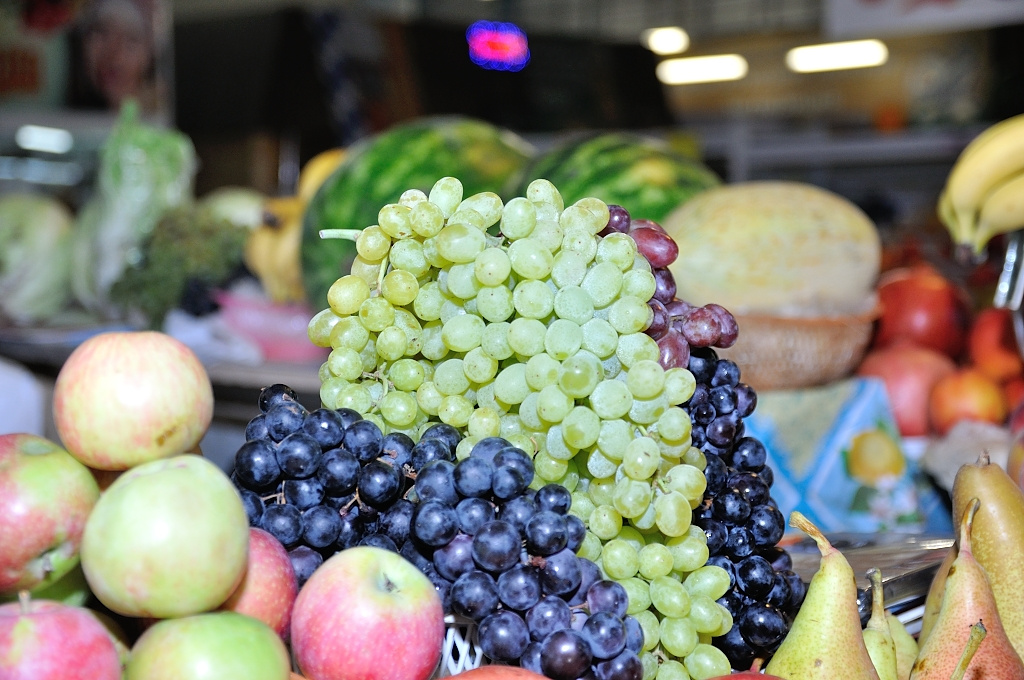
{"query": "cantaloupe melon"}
(775, 247)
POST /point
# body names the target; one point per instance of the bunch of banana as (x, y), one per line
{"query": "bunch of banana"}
(984, 193)
(272, 251)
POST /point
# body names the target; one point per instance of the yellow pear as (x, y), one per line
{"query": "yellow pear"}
(968, 599)
(906, 646)
(877, 635)
(825, 641)
(933, 600)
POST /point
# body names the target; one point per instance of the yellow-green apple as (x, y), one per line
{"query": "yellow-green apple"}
(367, 614)
(210, 646)
(167, 538)
(46, 640)
(125, 398)
(268, 589)
(45, 498)
(71, 588)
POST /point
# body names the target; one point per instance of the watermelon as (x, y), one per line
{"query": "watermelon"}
(640, 173)
(375, 172)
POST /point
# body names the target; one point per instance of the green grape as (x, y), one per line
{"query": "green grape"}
(485, 399)
(670, 669)
(695, 457)
(670, 598)
(674, 424)
(369, 356)
(635, 347)
(651, 627)
(655, 560)
(632, 497)
(553, 405)
(602, 283)
(455, 410)
(533, 299)
(568, 269)
(373, 244)
(599, 208)
(705, 614)
(518, 218)
(580, 218)
(376, 313)
(679, 385)
(406, 375)
(686, 480)
(541, 371)
(523, 442)
(367, 270)
(355, 397)
(349, 332)
(555, 444)
(392, 343)
(602, 490)
(408, 256)
(600, 338)
(530, 259)
(486, 203)
(618, 249)
(611, 399)
(462, 333)
(323, 373)
(408, 322)
(410, 197)
(398, 408)
(548, 233)
(638, 283)
(429, 398)
(591, 547)
(399, 287)
(641, 458)
(581, 506)
(321, 327)
(461, 281)
(428, 302)
(580, 374)
(450, 309)
(432, 255)
(346, 294)
(573, 304)
(615, 435)
(478, 367)
(639, 594)
(598, 465)
(709, 580)
(494, 341)
(492, 267)
(672, 513)
(394, 220)
(646, 521)
(511, 423)
(446, 194)
(647, 411)
(543, 191)
(548, 468)
(677, 636)
(688, 552)
(345, 363)
(426, 219)
(433, 348)
(649, 662)
(484, 422)
(330, 390)
(526, 337)
(619, 559)
(630, 314)
(450, 377)
(495, 303)
(528, 413)
(725, 626)
(510, 384)
(611, 367)
(578, 239)
(707, 661)
(468, 217)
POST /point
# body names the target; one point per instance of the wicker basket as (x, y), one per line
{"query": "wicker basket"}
(460, 653)
(776, 353)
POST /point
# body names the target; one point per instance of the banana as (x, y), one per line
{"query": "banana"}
(991, 157)
(1001, 212)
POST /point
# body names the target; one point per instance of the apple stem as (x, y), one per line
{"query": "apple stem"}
(24, 599)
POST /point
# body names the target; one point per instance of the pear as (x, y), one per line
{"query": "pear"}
(825, 641)
(877, 635)
(933, 600)
(997, 537)
(968, 599)
(906, 646)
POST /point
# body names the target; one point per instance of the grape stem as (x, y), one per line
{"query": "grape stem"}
(346, 234)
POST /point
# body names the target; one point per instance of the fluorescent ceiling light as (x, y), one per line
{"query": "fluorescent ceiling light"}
(837, 56)
(709, 69)
(665, 40)
(40, 138)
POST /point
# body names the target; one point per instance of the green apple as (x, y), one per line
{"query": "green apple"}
(45, 498)
(167, 538)
(211, 646)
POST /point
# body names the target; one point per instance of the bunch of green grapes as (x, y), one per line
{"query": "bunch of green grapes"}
(520, 320)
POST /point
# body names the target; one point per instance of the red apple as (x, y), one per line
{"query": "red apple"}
(45, 640)
(45, 498)
(216, 645)
(125, 398)
(992, 345)
(268, 589)
(909, 373)
(497, 672)
(367, 614)
(922, 306)
(966, 394)
(168, 538)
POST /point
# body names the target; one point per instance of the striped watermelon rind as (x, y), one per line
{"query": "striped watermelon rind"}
(377, 170)
(641, 173)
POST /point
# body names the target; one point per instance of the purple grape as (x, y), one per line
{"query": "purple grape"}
(677, 309)
(379, 484)
(325, 427)
(302, 493)
(436, 481)
(551, 613)
(755, 577)
(456, 558)
(730, 330)
(320, 526)
(472, 476)
(565, 655)
(700, 327)
(746, 399)
(338, 472)
(674, 350)
(284, 522)
(473, 513)
(496, 546)
(284, 418)
(275, 394)
(304, 561)
(618, 218)
(606, 635)
(607, 596)
(256, 465)
(546, 533)
(625, 666)
(664, 285)
(655, 245)
(762, 625)
(660, 322)
(561, 574)
(503, 636)
(474, 595)
(519, 587)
